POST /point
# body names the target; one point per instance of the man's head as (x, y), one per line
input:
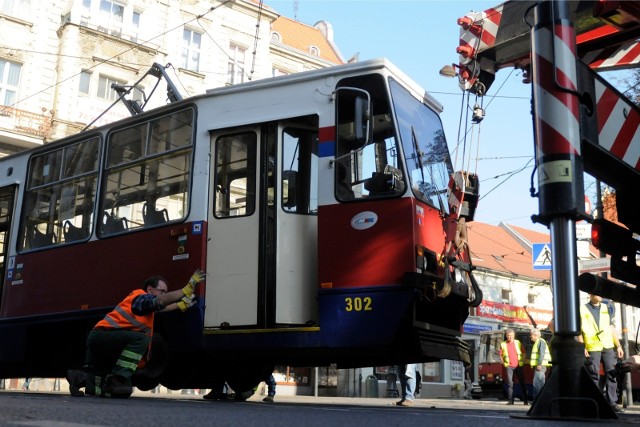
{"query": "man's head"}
(535, 334)
(510, 335)
(595, 299)
(155, 285)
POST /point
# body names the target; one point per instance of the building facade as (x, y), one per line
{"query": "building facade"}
(59, 59)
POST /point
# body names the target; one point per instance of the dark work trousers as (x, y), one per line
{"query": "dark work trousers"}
(523, 387)
(608, 357)
(115, 352)
(271, 385)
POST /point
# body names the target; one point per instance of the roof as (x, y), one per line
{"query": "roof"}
(505, 249)
(302, 37)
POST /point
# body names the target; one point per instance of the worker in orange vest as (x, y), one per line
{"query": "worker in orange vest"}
(512, 354)
(117, 344)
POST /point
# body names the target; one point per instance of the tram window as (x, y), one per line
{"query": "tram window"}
(425, 147)
(148, 174)
(60, 195)
(300, 170)
(372, 171)
(235, 180)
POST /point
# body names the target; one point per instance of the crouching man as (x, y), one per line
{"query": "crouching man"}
(117, 344)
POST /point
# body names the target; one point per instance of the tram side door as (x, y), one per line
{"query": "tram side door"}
(233, 252)
(261, 249)
(7, 197)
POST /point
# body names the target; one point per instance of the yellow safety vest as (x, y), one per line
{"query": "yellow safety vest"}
(535, 350)
(596, 337)
(505, 353)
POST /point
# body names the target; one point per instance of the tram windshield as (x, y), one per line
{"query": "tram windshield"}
(425, 147)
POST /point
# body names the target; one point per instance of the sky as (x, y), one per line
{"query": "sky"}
(419, 37)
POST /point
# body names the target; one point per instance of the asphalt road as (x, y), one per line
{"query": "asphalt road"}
(38, 409)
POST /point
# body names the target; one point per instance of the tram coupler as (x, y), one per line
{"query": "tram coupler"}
(570, 392)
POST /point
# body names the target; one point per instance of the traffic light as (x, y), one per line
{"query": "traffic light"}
(620, 244)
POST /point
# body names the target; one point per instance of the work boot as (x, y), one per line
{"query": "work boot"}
(268, 399)
(117, 386)
(216, 395)
(76, 380)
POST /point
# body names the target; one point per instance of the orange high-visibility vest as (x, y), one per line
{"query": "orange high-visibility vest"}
(505, 353)
(123, 318)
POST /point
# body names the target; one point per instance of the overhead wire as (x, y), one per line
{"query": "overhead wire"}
(469, 131)
(255, 40)
(101, 62)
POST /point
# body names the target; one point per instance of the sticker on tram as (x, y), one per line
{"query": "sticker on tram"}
(364, 220)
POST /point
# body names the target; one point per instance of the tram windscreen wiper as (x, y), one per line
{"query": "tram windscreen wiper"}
(416, 151)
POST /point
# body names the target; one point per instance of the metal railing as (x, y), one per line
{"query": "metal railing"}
(25, 122)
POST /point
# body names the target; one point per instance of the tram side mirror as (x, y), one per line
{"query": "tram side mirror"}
(289, 188)
(362, 120)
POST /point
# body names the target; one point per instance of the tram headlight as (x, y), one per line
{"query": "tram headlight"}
(425, 260)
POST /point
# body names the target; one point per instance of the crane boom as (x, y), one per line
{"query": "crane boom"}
(581, 124)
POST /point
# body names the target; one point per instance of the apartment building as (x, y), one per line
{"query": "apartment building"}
(60, 58)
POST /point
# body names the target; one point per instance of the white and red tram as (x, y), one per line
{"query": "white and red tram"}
(316, 203)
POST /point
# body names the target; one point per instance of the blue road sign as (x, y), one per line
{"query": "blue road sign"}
(541, 255)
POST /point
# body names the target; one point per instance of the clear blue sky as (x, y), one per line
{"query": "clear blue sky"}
(419, 37)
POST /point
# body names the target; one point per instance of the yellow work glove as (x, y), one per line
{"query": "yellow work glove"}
(186, 303)
(198, 276)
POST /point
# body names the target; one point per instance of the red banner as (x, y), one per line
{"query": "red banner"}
(515, 314)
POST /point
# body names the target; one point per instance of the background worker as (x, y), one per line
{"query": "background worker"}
(271, 389)
(407, 374)
(539, 360)
(600, 343)
(511, 351)
(118, 342)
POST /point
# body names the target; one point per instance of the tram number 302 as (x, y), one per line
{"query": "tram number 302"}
(358, 304)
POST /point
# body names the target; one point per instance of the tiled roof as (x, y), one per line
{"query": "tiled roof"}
(302, 37)
(496, 248)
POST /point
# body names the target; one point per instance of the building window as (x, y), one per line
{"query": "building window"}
(235, 70)
(314, 50)
(432, 372)
(275, 37)
(287, 375)
(85, 82)
(15, 7)
(137, 94)
(9, 80)
(85, 15)
(532, 298)
(104, 88)
(111, 18)
(191, 42)
(506, 295)
(275, 72)
(135, 26)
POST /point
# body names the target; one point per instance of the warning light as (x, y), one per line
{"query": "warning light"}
(613, 239)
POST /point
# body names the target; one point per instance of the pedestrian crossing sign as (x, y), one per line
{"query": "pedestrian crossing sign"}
(541, 256)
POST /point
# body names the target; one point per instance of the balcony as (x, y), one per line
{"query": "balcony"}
(25, 122)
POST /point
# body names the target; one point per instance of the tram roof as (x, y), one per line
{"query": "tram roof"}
(345, 69)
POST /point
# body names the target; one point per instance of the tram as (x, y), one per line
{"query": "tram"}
(317, 203)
